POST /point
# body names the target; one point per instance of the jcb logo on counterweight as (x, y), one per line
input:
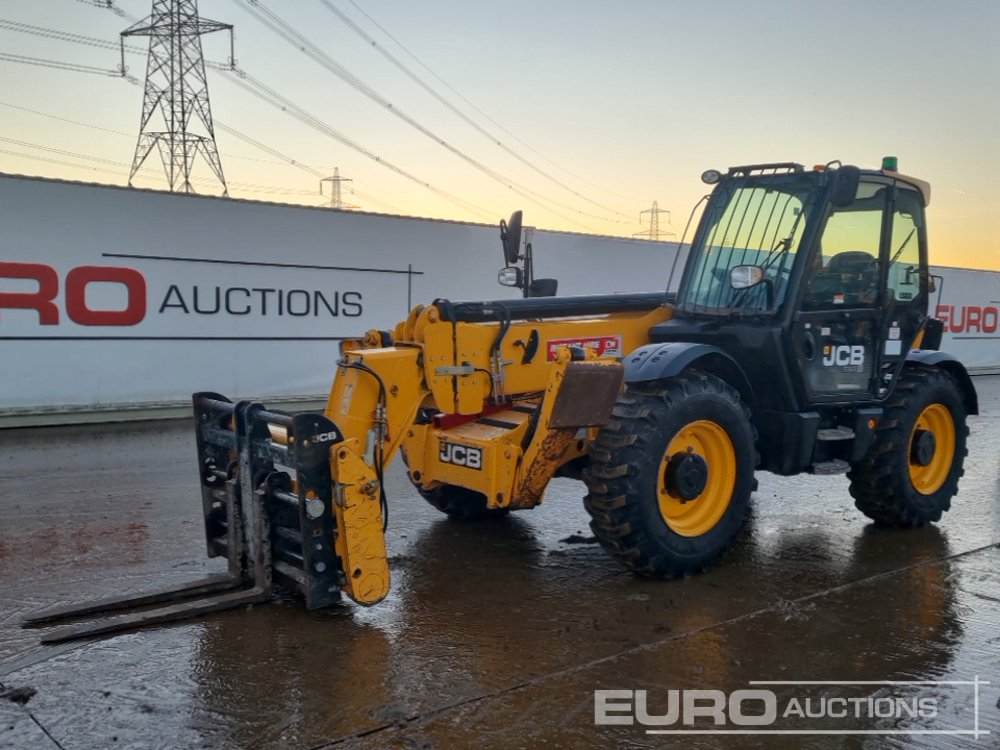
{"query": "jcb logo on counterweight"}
(461, 455)
(843, 356)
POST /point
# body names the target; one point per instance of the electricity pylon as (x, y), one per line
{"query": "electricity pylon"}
(654, 232)
(336, 196)
(177, 89)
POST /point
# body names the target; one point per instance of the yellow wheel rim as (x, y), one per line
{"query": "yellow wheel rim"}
(700, 515)
(937, 420)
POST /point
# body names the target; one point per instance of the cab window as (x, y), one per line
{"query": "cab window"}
(904, 248)
(844, 271)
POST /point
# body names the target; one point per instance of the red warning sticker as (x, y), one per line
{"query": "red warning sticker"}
(605, 346)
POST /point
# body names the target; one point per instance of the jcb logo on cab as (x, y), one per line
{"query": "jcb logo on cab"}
(844, 356)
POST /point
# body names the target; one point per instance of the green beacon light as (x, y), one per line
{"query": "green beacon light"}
(890, 163)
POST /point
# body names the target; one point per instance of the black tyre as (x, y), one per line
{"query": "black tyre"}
(671, 475)
(461, 504)
(911, 472)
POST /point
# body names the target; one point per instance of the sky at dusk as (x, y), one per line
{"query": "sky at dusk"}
(584, 112)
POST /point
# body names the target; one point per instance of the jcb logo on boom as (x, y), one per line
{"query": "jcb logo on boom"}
(844, 356)
(461, 455)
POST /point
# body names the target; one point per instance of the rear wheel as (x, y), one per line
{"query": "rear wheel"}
(911, 472)
(461, 504)
(671, 475)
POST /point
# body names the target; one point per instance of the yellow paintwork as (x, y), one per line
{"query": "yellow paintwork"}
(360, 540)
(435, 366)
(551, 447)
(938, 421)
(493, 475)
(699, 516)
(473, 342)
(354, 396)
(509, 473)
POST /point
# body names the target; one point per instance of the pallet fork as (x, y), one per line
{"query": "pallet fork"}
(268, 506)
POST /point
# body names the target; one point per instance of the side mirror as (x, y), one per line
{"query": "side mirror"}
(510, 238)
(543, 288)
(510, 276)
(845, 186)
(744, 277)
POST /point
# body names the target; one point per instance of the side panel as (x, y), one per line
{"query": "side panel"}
(950, 363)
(530, 347)
(656, 361)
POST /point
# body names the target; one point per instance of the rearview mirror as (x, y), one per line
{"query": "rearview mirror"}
(510, 276)
(845, 186)
(744, 277)
(510, 238)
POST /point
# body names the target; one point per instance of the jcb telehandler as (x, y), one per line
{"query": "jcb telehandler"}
(798, 340)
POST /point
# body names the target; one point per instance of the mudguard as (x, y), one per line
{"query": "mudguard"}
(658, 361)
(949, 363)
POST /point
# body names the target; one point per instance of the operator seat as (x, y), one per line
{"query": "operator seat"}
(850, 278)
(858, 272)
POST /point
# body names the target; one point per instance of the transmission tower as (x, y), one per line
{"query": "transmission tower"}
(177, 89)
(654, 232)
(336, 196)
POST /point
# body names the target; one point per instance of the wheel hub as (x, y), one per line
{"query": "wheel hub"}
(686, 476)
(923, 447)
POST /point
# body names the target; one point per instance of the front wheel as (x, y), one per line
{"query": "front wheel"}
(911, 472)
(671, 475)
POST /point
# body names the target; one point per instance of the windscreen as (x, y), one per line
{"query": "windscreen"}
(755, 220)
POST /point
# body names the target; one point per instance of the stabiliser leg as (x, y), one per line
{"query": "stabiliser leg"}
(267, 506)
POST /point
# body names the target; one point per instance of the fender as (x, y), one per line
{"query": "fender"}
(657, 361)
(949, 363)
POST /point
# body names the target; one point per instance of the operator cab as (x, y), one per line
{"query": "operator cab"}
(819, 275)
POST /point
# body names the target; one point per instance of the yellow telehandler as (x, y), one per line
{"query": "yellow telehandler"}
(798, 340)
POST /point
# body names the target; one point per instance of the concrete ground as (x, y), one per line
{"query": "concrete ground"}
(495, 635)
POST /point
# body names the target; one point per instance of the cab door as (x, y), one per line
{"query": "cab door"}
(905, 295)
(839, 324)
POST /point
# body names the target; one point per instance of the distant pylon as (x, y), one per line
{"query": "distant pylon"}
(176, 87)
(654, 232)
(336, 196)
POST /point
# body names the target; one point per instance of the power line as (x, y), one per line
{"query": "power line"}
(49, 115)
(267, 149)
(272, 21)
(123, 167)
(465, 118)
(283, 158)
(56, 64)
(63, 36)
(109, 5)
(272, 97)
(265, 93)
(480, 111)
(64, 119)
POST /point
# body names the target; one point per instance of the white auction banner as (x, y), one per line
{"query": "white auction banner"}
(114, 298)
(968, 303)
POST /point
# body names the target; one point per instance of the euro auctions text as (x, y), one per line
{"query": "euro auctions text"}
(800, 708)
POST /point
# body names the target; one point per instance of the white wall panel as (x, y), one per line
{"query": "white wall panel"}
(250, 299)
(244, 298)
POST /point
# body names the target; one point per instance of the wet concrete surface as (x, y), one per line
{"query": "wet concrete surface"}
(494, 635)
